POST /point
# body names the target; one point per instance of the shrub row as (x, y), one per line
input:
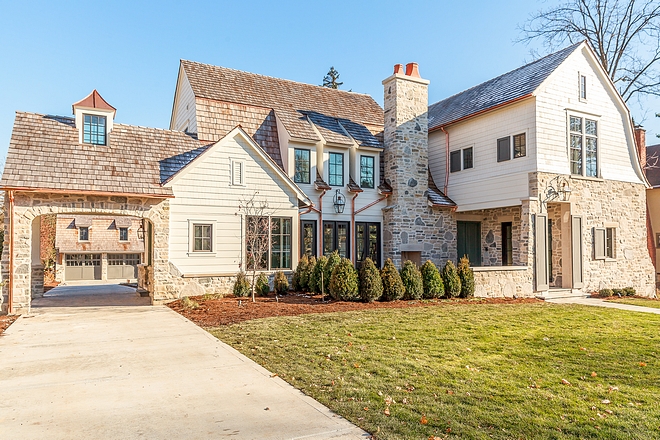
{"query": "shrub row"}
(626, 291)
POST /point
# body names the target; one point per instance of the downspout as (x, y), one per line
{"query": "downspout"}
(372, 204)
(320, 231)
(446, 159)
(353, 254)
(10, 281)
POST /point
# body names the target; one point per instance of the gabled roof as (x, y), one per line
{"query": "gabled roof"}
(94, 100)
(510, 87)
(335, 112)
(44, 154)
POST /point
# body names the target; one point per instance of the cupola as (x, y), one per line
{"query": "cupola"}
(94, 118)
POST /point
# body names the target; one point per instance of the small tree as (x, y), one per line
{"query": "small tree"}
(371, 286)
(344, 281)
(432, 281)
(257, 235)
(281, 283)
(393, 288)
(412, 281)
(451, 280)
(333, 260)
(317, 275)
(263, 288)
(241, 285)
(330, 80)
(466, 276)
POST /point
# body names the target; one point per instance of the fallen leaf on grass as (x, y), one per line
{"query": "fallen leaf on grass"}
(613, 389)
(642, 364)
(593, 374)
(450, 392)
(387, 411)
(609, 411)
(583, 349)
(424, 421)
(389, 400)
(273, 375)
(356, 365)
(605, 402)
(366, 408)
(565, 382)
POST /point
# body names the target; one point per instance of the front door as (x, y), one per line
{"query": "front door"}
(367, 242)
(469, 241)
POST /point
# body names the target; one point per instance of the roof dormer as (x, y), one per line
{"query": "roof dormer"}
(94, 118)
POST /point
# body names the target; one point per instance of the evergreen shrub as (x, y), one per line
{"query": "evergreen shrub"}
(344, 281)
(412, 281)
(432, 281)
(281, 283)
(296, 283)
(629, 291)
(306, 275)
(241, 285)
(371, 286)
(605, 293)
(333, 260)
(451, 280)
(393, 288)
(466, 275)
(262, 287)
(315, 280)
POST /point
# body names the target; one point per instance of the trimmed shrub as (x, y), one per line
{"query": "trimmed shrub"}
(432, 281)
(262, 287)
(629, 291)
(189, 304)
(315, 281)
(306, 275)
(371, 286)
(393, 288)
(333, 260)
(605, 293)
(297, 275)
(281, 283)
(451, 280)
(618, 292)
(466, 275)
(344, 281)
(241, 285)
(411, 278)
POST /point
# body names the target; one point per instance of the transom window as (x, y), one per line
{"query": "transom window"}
(367, 171)
(83, 233)
(94, 129)
(336, 169)
(202, 238)
(583, 146)
(301, 159)
(123, 234)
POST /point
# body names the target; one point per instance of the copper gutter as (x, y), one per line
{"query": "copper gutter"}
(353, 254)
(10, 280)
(371, 204)
(319, 245)
(90, 192)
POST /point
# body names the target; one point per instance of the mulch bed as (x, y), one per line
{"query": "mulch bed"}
(227, 311)
(6, 321)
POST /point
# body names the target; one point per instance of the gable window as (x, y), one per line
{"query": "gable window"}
(468, 161)
(123, 234)
(583, 147)
(455, 161)
(94, 129)
(519, 145)
(202, 237)
(504, 147)
(237, 172)
(83, 233)
(604, 243)
(583, 87)
(336, 169)
(367, 171)
(301, 165)
(271, 237)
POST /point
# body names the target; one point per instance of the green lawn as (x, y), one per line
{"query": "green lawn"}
(471, 371)
(639, 302)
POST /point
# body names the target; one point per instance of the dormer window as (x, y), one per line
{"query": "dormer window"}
(94, 129)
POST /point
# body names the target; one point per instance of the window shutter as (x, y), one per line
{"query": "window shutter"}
(576, 251)
(541, 252)
(503, 149)
(455, 161)
(599, 243)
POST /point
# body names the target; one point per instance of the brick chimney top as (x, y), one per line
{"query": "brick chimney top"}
(398, 68)
(640, 140)
(412, 69)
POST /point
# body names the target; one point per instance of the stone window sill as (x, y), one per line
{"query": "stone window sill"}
(499, 268)
(593, 179)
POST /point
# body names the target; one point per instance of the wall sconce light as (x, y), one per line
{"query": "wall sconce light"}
(140, 232)
(339, 202)
(557, 189)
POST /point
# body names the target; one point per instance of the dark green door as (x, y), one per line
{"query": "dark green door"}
(469, 241)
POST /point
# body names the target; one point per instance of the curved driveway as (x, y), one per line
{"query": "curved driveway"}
(78, 368)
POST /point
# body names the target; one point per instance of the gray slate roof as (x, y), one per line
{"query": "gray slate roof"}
(497, 91)
(44, 153)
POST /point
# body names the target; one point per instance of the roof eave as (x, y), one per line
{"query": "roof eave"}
(481, 112)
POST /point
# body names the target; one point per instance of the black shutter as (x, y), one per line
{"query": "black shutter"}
(455, 161)
(503, 149)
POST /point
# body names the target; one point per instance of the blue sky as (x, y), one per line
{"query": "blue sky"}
(54, 53)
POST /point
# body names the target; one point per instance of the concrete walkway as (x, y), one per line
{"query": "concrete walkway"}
(599, 302)
(128, 372)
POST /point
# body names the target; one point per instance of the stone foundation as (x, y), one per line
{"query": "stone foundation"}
(511, 281)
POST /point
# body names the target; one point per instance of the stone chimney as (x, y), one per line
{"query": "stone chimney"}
(406, 161)
(640, 142)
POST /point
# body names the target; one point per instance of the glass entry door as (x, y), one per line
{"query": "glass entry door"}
(367, 242)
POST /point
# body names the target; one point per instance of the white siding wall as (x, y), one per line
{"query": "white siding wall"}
(204, 194)
(558, 97)
(490, 184)
(183, 114)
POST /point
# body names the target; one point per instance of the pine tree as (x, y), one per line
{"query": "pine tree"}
(330, 79)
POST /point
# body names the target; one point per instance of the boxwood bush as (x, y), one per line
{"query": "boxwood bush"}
(451, 280)
(241, 285)
(392, 285)
(281, 283)
(344, 281)
(432, 281)
(371, 286)
(466, 275)
(412, 281)
(262, 287)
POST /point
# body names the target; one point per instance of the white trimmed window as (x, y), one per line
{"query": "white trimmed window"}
(582, 87)
(83, 233)
(202, 237)
(583, 146)
(237, 172)
(604, 243)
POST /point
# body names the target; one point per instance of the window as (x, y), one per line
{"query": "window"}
(83, 233)
(583, 148)
(202, 236)
(604, 243)
(301, 165)
(336, 169)
(237, 172)
(367, 242)
(94, 129)
(308, 238)
(455, 161)
(507, 244)
(123, 234)
(271, 238)
(335, 238)
(583, 87)
(519, 145)
(367, 171)
(467, 158)
(503, 149)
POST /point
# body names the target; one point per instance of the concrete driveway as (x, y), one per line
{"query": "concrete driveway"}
(129, 371)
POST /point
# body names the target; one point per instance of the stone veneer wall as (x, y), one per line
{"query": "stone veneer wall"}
(491, 233)
(504, 282)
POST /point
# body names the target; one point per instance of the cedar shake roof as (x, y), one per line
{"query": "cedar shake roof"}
(337, 115)
(44, 153)
(496, 92)
(94, 100)
(652, 168)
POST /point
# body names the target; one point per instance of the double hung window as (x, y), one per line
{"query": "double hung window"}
(583, 146)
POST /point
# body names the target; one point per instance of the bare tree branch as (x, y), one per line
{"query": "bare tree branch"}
(257, 223)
